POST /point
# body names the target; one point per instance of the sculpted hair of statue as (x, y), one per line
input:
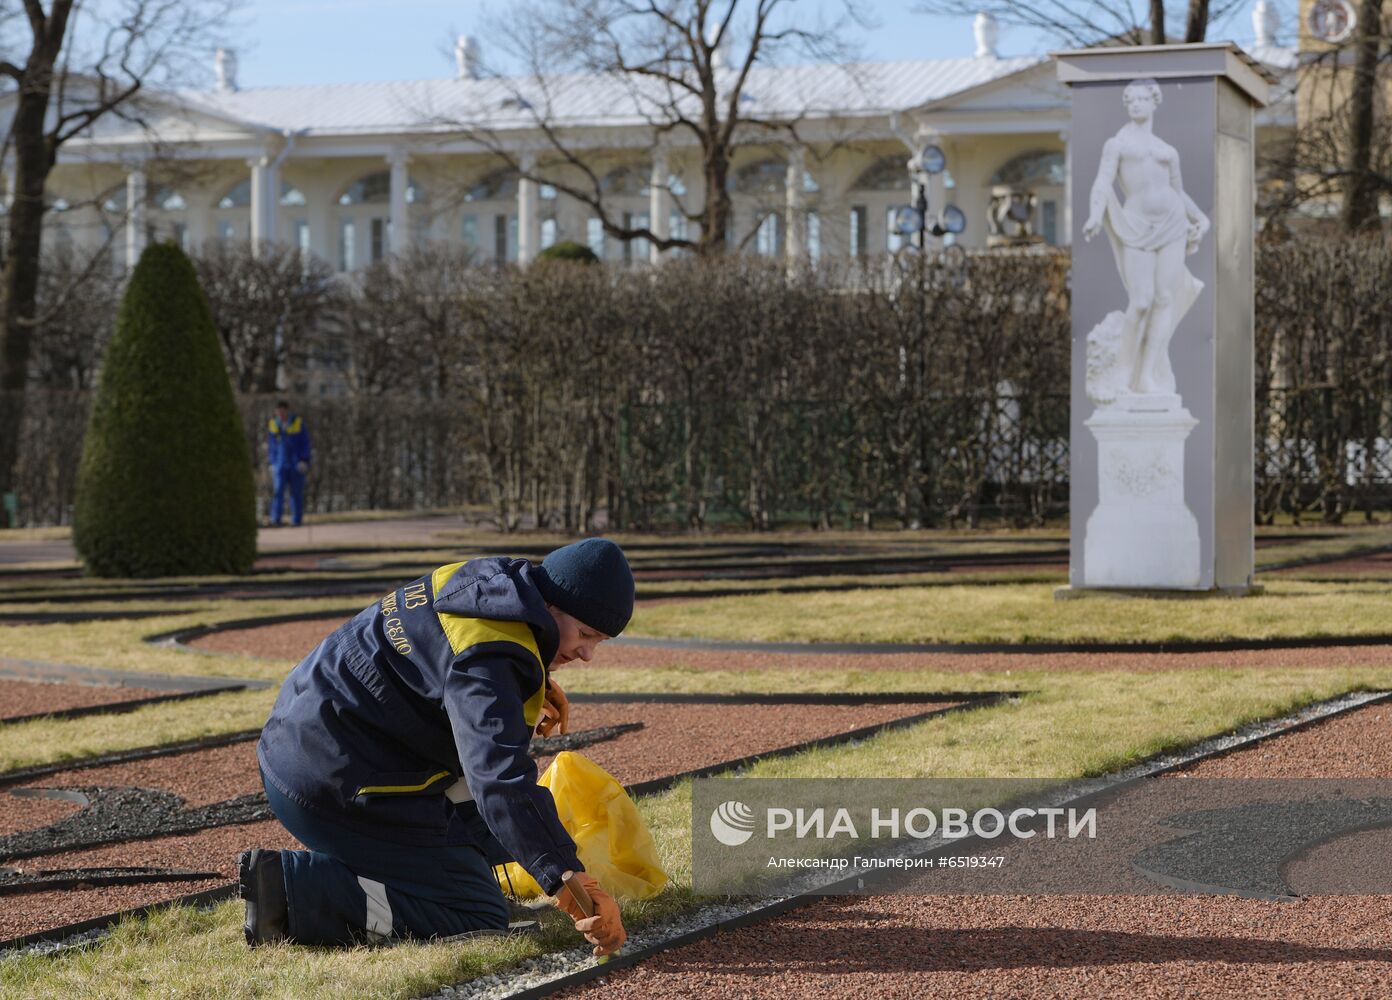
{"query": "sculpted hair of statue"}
(1150, 86)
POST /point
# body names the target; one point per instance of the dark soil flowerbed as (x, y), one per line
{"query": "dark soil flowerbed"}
(1067, 946)
(24, 698)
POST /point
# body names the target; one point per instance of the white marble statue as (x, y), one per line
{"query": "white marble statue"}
(1151, 232)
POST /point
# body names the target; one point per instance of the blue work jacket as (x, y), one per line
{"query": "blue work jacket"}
(411, 722)
(287, 444)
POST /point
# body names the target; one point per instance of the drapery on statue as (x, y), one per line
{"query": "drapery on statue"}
(1151, 233)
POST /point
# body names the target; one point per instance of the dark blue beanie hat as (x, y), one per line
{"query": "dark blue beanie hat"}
(591, 581)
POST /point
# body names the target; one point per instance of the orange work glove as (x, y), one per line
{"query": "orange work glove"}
(604, 929)
(555, 710)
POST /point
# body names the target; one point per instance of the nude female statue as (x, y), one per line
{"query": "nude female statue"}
(1151, 232)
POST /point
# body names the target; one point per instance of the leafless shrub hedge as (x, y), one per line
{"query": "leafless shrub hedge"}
(930, 392)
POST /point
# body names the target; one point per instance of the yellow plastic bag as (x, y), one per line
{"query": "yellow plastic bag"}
(613, 841)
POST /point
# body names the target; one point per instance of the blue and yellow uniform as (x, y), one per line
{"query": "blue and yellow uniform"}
(287, 446)
(398, 752)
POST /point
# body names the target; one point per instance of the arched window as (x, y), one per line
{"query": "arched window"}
(239, 196)
(888, 173)
(769, 176)
(497, 186)
(375, 189)
(1037, 168)
(630, 180)
(1035, 178)
(160, 197)
(765, 177)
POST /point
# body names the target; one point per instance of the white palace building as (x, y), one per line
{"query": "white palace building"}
(353, 172)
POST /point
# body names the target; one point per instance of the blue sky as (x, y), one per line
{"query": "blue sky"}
(284, 42)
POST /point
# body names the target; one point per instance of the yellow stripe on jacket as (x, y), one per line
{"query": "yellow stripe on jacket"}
(404, 789)
(464, 632)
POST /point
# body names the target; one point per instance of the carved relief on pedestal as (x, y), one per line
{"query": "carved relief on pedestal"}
(1142, 475)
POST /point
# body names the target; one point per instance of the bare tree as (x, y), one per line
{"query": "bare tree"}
(1359, 211)
(69, 65)
(1341, 152)
(73, 329)
(1087, 22)
(267, 304)
(668, 62)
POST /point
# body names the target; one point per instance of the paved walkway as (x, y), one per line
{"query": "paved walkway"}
(403, 533)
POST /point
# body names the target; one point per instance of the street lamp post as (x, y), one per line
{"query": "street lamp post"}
(913, 220)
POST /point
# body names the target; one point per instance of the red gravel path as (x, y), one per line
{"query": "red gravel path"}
(21, 698)
(675, 738)
(286, 641)
(206, 850)
(1066, 946)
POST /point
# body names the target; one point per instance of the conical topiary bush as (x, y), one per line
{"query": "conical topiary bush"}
(165, 486)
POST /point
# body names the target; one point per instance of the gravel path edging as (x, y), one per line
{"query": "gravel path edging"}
(126, 756)
(546, 974)
(72, 673)
(180, 638)
(61, 617)
(116, 707)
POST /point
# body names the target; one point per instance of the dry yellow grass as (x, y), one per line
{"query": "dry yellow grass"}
(1024, 613)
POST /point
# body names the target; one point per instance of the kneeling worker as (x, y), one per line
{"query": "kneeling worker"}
(397, 753)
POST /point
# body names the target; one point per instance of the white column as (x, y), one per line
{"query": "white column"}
(323, 235)
(659, 203)
(1067, 137)
(528, 213)
(200, 219)
(260, 195)
(135, 216)
(795, 212)
(400, 210)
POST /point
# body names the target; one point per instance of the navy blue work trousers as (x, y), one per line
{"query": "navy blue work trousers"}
(285, 480)
(350, 888)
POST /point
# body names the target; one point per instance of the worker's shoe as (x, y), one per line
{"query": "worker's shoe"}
(262, 885)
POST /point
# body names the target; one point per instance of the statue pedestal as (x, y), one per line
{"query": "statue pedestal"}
(1141, 533)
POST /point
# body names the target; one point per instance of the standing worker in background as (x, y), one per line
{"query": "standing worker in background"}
(397, 753)
(287, 451)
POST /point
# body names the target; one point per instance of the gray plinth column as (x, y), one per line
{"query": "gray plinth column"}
(1161, 183)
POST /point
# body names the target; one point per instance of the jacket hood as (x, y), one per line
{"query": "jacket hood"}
(503, 589)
